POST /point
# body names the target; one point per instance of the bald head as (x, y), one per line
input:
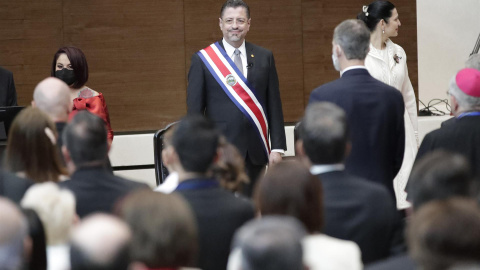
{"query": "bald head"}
(53, 97)
(13, 230)
(100, 242)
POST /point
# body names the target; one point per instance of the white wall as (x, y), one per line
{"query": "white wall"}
(447, 31)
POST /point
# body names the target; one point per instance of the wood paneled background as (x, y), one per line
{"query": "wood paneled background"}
(139, 51)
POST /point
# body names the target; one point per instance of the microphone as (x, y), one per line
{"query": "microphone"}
(250, 65)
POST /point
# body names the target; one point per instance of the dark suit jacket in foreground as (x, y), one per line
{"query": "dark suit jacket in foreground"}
(98, 190)
(8, 94)
(460, 136)
(360, 211)
(219, 214)
(205, 96)
(401, 262)
(13, 187)
(375, 118)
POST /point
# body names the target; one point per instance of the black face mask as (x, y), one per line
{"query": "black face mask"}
(66, 75)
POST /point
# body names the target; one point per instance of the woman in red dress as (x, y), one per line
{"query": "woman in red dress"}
(70, 65)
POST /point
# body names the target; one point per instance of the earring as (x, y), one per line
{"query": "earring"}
(383, 31)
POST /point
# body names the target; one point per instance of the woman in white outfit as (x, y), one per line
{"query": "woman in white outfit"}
(387, 62)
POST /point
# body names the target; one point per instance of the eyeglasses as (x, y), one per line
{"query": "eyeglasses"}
(240, 21)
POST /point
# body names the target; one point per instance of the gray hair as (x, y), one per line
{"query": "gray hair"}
(271, 243)
(353, 37)
(473, 62)
(13, 230)
(465, 101)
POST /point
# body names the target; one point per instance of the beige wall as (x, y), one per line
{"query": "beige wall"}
(447, 31)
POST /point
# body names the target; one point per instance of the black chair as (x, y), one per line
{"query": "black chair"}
(161, 172)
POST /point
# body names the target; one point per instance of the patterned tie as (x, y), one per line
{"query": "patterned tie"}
(237, 60)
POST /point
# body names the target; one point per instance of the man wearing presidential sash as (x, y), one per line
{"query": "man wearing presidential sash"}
(235, 84)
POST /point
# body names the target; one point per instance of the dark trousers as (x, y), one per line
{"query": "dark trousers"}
(253, 171)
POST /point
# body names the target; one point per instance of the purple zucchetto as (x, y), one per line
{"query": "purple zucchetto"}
(468, 80)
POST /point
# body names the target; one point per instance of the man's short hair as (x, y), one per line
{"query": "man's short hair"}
(438, 176)
(100, 242)
(164, 231)
(86, 138)
(354, 39)
(270, 243)
(13, 230)
(473, 62)
(195, 141)
(234, 4)
(466, 102)
(52, 96)
(324, 132)
(445, 233)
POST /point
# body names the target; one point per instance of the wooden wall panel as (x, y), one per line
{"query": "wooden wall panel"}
(135, 51)
(139, 51)
(30, 32)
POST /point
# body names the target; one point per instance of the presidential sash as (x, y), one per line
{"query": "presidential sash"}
(237, 88)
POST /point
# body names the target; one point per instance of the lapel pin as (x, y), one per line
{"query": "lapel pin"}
(252, 55)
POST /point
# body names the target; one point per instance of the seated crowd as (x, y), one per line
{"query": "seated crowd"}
(63, 208)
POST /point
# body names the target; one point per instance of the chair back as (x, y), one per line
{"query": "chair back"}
(161, 172)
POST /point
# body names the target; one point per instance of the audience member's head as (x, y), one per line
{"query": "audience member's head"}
(351, 40)
(100, 242)
(290, 189)
(52, 96)
(438, 176)
(465, 91)
(164, 233)
(75, 74)
(85, 141)
(473, 62)
(13, 232)
(268, 243)
(229, 169)
(56, 209)
(195, 141)
(38, 255)
(442, 234)
(31, 147)
(372, 14)
(169, 156)
(324, 135)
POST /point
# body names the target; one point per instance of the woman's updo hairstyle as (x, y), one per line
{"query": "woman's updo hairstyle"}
(375, 12)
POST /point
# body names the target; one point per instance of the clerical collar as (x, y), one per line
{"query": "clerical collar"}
(468, 114)
(319, 169)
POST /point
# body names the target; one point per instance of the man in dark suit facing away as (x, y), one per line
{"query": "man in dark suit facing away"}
(355, 209)
(218, 212)
(374, 109)
(235, 84)
(85, 150)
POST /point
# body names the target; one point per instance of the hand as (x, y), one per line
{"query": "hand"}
(275, 157)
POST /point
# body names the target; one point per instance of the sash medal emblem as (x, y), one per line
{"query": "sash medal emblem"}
(230, 80)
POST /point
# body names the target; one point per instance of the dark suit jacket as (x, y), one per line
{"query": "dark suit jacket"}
(205, 96)
(375, 119)
(13, 187)
(8, 94)
(360, 211)
(460, 136)
(401, 262)
(219, 214)
(98, 190)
